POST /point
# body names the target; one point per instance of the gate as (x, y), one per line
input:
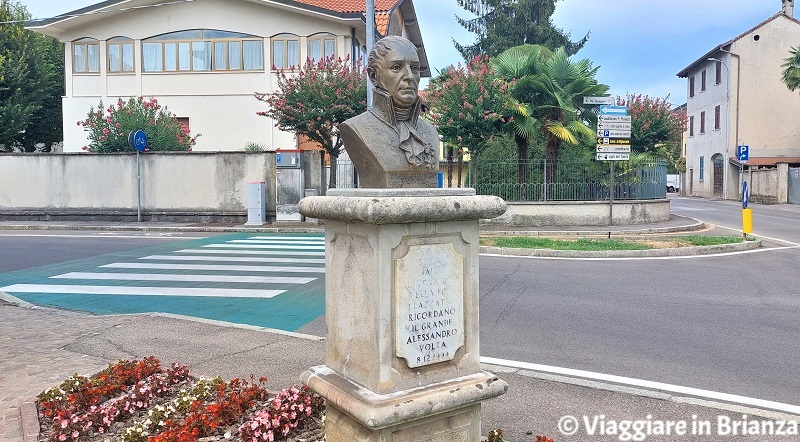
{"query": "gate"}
(794, 185)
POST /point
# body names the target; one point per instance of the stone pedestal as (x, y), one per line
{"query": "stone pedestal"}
(402, 357)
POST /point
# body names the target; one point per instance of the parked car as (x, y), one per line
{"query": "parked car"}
(673, 183)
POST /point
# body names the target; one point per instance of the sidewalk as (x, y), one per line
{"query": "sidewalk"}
(39, 347)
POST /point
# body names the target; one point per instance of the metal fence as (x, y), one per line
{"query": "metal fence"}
(558, 181)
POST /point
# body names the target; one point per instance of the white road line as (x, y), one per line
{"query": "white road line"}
(264, 241)
(291, 238)
(232, 259)
(640, 258)
(143, 291)
(266, 246)
(251, 252)
(100, 236)
(144, 265)
(184, 278)
(696, 392)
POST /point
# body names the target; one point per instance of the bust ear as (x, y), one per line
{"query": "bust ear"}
(372, 73)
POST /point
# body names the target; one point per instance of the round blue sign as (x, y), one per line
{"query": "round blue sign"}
(137, 140)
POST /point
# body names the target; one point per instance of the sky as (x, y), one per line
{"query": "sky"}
(639, 45)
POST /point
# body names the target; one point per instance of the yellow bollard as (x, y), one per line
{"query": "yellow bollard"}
(747, 221)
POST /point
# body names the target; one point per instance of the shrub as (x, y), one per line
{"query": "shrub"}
(109, 127)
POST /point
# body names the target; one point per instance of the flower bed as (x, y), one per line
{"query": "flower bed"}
(137, 401)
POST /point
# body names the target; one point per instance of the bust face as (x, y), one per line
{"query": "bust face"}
(398, 74)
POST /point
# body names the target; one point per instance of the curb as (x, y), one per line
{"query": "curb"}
(669, 252)
(29, 418)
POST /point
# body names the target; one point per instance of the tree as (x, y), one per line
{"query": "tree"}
(655, 127)
(791, 69)
(322, 95)
(468, 105)
(31, 83)
(548, 89)
(502, 24)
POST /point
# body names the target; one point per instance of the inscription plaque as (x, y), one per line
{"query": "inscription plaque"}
(429, 294)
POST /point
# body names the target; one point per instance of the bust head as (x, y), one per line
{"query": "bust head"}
(393, 65)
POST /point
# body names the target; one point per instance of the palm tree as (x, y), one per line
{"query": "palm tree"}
(548, 90)
(791, 69)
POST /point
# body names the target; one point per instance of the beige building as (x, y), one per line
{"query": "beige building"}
(736, 98)
(204, 59)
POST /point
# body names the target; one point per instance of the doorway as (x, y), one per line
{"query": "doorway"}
(719, 163)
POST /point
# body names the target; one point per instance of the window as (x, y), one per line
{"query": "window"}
(202, 50)
(86, 56)
(703, 80)
(716, 117)
(703, 122)
(321, 46)
(718, 73)
(691, 86)
(285, 51)
(702, 167)
(691, 126)
(120, 55)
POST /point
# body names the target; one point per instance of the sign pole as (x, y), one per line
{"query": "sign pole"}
(611, 198)
(138, 190)
(747, 213)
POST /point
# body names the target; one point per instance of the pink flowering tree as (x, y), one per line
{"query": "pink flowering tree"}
(656, 127)
(109, 127)
(467, 104)
(315, 99)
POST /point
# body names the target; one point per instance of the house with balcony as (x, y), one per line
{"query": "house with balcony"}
(204, 59)
(735, 97)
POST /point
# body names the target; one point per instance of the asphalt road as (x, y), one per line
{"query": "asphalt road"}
(722, 323)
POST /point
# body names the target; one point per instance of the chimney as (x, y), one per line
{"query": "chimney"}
(787, 8)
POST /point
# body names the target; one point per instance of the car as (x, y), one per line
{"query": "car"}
(673, 183)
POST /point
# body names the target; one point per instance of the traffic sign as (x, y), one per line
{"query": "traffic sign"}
(614, 118)
(598, 100)
(137, 140)
(614, 126)
(743, 153)
(607, 140)
(618, 148)
(613, 156)
(745, 195)
(613, 110)
(613, 133)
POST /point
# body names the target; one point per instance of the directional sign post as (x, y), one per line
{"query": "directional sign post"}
(601, 156)
(613, 133)
(614, 118)
(614, 126)
(137, 140)
(613, 110)
(598, 100)
(617, 148)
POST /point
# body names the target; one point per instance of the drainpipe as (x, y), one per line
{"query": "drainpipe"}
(738, 98)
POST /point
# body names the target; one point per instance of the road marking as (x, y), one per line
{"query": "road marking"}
(266, 241)
(266, 246)
(690, 391)
(99, 236)
(232, 259)
(142, 291)
(231, 268)
(643, 258)
(251, 252)
(184, 278)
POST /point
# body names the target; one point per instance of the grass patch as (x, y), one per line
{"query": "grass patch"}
(701, 240)
(522, 242)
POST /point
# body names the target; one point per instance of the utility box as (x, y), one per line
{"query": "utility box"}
(256, 203)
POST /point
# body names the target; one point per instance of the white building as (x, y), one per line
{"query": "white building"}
(736, 97)
(204, 59)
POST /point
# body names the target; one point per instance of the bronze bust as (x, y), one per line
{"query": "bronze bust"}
(389, 144)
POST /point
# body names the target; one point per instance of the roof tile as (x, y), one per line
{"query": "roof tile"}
(350, 5)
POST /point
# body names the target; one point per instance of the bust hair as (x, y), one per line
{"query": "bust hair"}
(382, 47)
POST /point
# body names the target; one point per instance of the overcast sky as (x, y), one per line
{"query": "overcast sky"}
(639, 44)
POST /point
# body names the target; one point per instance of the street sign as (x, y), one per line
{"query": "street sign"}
(611, 148)
(613, 156)
(607, 140)
(614, 126)
(613, 133)
(613, 110)
(614, 118)
(137, 140)
(745, 195)
(743, 153)
(598, 100)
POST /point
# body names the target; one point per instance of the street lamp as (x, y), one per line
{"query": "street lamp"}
(727, 125)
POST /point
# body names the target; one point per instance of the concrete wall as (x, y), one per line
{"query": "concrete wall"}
(769, 186)
(196, 186)
(582, 213)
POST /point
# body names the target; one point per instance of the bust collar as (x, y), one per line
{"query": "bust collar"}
(383, 108)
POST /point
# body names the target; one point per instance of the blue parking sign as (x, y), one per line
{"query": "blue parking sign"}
(743, 153)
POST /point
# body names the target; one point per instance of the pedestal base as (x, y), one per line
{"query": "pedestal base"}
(447, 411)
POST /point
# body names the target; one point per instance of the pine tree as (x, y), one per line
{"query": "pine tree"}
(502, 24)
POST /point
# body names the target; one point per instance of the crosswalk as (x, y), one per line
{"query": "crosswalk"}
(218, 270)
